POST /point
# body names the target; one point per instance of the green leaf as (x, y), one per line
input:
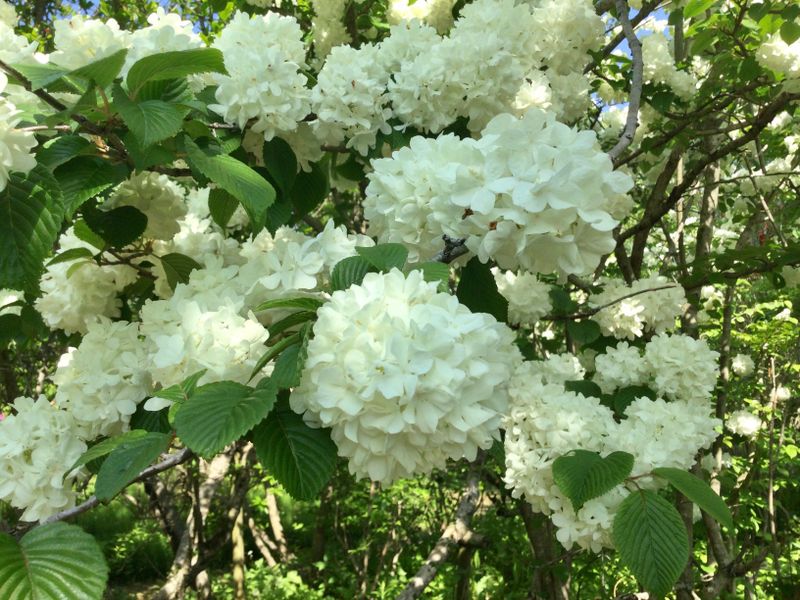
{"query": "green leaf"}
(291, 362)
(41, 76)
(71, 254)
(309, 189)
(583, 475)
(583, 332)
(349, 271)
(695, 7)
(181, 392)
(623, 397)
(222, 412)
(177, 267)
(243, 183)
(51, 562)
(699, 492)
(174, 65)
(151, 420)
(84, 177)
(106, 446)
(583, 386)
(31, 210)
(651, 539)
(790, 32)
(384, 257)
(150, 121)
(146, 157)
(477, 290)
(435, 272)
(62, 149)
(221, 205)
(302, 303)
(563, 304)
(102, 71)
(299, 457)
(82, 232)
(126, 461)
(281, 163)
(119, 226)
(273, 352)
(290, 321)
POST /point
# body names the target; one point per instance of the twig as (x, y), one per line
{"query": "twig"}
(172, 461)
(457, 532)
(637, 80)
(593, 311)
(453, 248)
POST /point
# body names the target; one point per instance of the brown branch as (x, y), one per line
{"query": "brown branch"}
(637, 81)
(593, 311)
(764, 118)
(457, 532)
(172, 461)
(453, 248)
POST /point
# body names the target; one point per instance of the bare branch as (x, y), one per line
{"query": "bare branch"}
(637, 80)
(173, 460)
(457, 532)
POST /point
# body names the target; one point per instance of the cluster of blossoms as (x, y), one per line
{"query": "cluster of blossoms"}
(206, 324)
(405, 376)
(528, 298)
(264, 56)
(659, 66)
(80, 41)
(15, 144)
(531, 193)
(546, 421)
(743, 422)
(777, 55)
(327, 26)
(37, 446)
(648, 305)
(743, 365)
(436, 13)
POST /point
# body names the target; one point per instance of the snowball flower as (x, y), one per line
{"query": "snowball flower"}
(15, 145)
(159, 198)
(743, 422)
(646, 305)
(166, 32)
(532, 193)
(437, 13)
(38, 445)
(684, 368)
(405, 376)
(8, 14)
(264, 56)
(742, 365)
(76, 292)
(528, 298)
(103, 380)
(80, 41)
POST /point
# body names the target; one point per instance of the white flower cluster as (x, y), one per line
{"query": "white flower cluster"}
(532, 193)
(264, 56)
(37, 446)
(160, 199)
(103, 380)
(429, 81)
(640, 310)
(677, 367)
(528, 298)
(166, 32)
(327, 26)
(80, 41)
(76, 292)
(743, 365)
(743, 422)
(405, 376)
(545, 421)
(8, 14)
(15, 144)
(436, 13)
(659, 66)
(777, 55)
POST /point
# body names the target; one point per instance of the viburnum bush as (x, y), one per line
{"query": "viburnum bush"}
(401, 234)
